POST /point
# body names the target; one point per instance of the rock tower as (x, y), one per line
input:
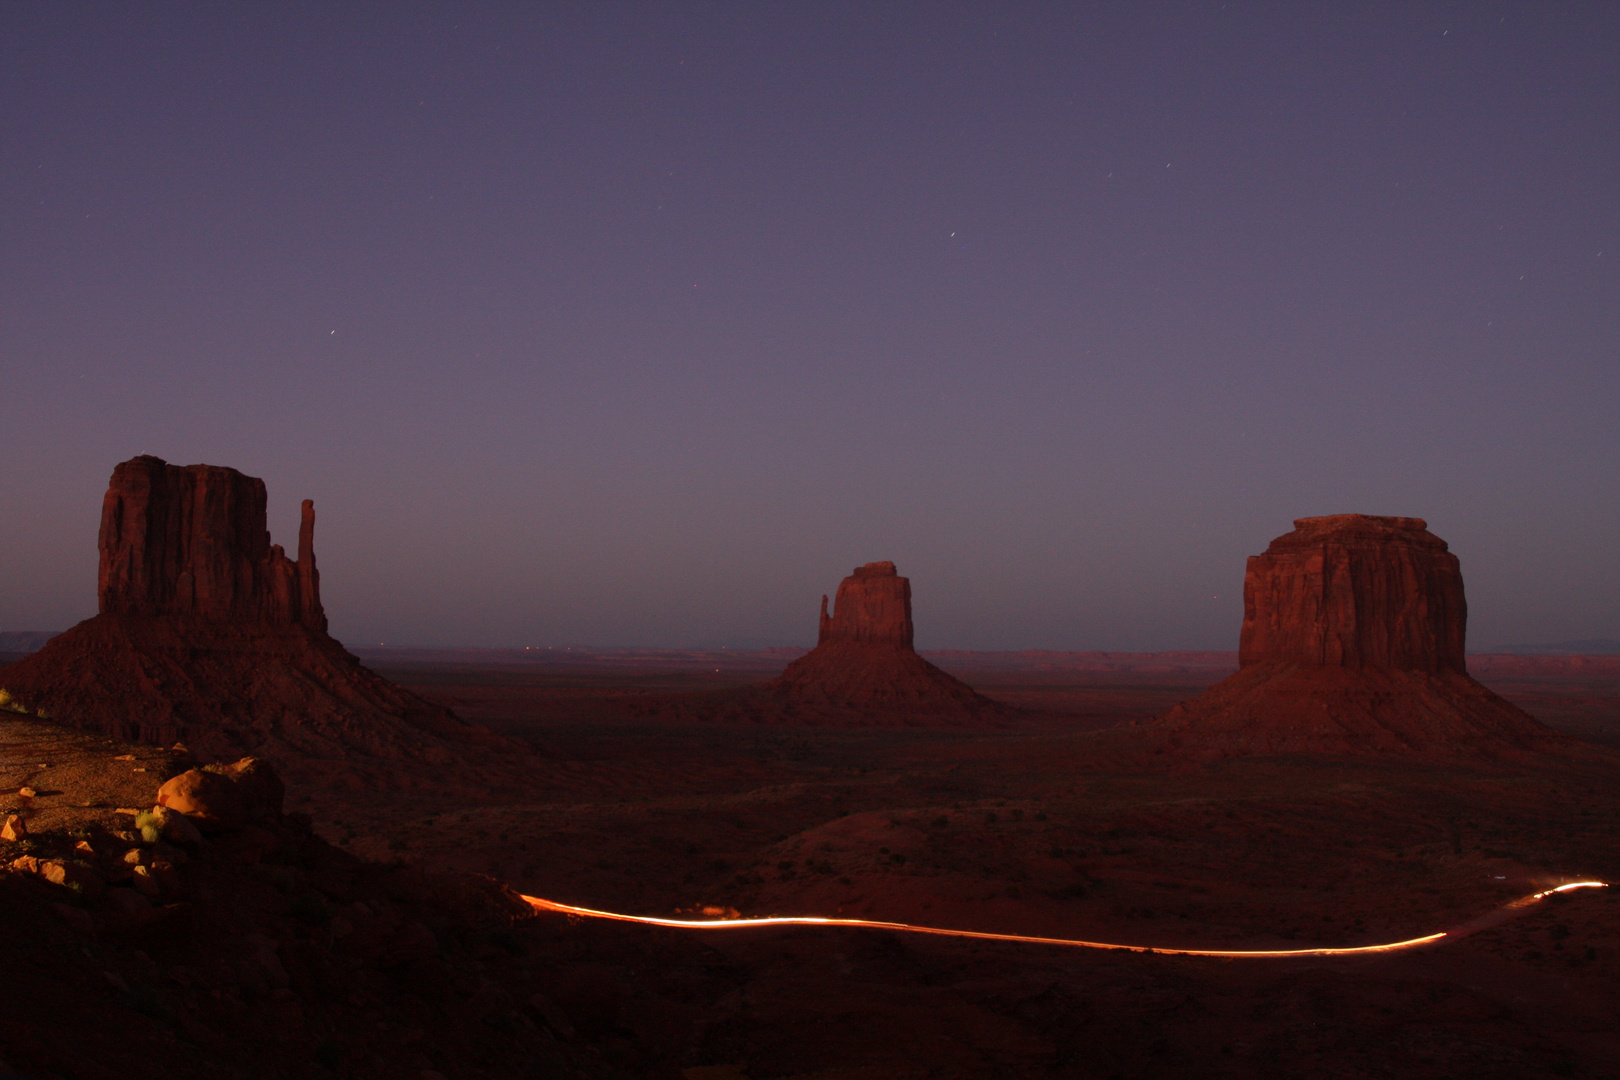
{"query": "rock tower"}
(873, 606)
(864, 670)
(1352, 642)
(191, 540)
(1353, 590)
(208, 634)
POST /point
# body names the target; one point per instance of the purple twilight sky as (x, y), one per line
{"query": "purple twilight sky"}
(640, 324)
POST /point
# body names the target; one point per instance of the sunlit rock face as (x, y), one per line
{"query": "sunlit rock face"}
(208, 634)
(864, 670)
(191, 540)
(1352, 643)
(1352, 589)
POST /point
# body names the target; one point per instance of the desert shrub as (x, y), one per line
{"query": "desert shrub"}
(150, 826)
(11, 703)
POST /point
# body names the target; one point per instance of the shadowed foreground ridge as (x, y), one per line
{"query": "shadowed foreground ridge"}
(208, 634)
(864, 669)
(1352, 642)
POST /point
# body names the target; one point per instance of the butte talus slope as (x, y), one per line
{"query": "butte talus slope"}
(209, 635)
(864, 669)
(1352, 643)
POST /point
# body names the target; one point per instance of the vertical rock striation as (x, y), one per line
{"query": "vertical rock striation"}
(191, 540)
(873, 606)
(1353, 590)
(1352, 642)
(210, 635)
(864, 669)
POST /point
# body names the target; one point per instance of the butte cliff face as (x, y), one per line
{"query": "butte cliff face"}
(864, 670)
(1352, 642)
(873, 607)
(191, 540)
(209, 635)
(1353, 590)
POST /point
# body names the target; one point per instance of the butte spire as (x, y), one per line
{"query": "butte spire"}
(864, 670)
(209, 634)
(1352, 642)
(191, 541)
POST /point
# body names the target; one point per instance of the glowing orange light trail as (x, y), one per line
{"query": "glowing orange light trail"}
(868, 924)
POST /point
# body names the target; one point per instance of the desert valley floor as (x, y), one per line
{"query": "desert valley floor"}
(1064, 822)
(1067, 820)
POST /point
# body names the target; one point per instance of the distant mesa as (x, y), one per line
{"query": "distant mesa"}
(22, 642)
(1352, 642)
(210, 635)
(1584, 647)
(864, 669)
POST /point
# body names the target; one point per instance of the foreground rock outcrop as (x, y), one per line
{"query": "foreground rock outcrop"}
(209, 635)
(169, 922)
(1352, 642)
(864, 669)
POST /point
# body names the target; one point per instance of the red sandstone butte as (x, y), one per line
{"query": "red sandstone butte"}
(864, 670)
(1352, 642)
(208, 634)
(192, 541)
(873, 605)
